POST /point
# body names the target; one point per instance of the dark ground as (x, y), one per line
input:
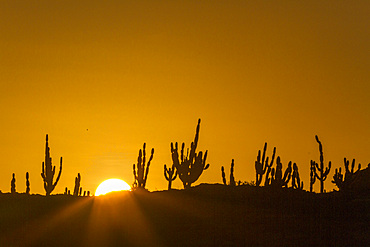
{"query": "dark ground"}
(206, 215)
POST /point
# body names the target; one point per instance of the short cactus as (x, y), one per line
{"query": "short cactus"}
(170, 174)
(27, 183)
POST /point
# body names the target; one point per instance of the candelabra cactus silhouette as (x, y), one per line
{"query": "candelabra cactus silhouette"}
(77, 185)
(296, 181)
(344, 183)
(27, 184)
(323, 174)
(12, 185)
(261, 165)
(277, 178)
(191, 166)
(141, 173)
(312, 174)
(170, 174)
(48, 171)
(232, 179)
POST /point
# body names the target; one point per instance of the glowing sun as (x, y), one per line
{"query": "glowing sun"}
(111, 185)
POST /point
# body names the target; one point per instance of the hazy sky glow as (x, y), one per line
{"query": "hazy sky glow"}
(102, 78)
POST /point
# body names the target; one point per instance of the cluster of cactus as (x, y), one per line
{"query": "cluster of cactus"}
(274, 175)
(323, 173)
(140, 172)
(190, 166)
(296, 181)
(170, 174)
(344, 183)
(232, 179)
(277, 178)
(67, 191)
(48, 171)
(262, 164)
(13, 185)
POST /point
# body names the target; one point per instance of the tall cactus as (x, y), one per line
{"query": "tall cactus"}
(232, 179)
(27, 183)
(261, 165)
(312, 174)
(191, 166)
(323, 174)
(344, 182)
(48, 171)
(12, 185)
(296, 181)
(170, 174)
(141, 174)
(77, 185)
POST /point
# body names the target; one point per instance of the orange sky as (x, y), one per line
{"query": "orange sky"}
(145, 71)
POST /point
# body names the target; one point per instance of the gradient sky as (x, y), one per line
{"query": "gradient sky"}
(103, 77)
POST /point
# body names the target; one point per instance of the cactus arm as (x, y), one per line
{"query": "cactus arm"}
(353, 165)
(134, 171)
(223, 175)
(182, 151)
(273, 157)
(59, 173)
(147, 166)
(327, 170)
(264, 154)
(144, 158)
(165, 173)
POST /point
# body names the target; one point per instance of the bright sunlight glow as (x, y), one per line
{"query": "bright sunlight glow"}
(111, 185)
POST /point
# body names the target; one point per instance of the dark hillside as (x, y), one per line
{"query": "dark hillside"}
(206, 215)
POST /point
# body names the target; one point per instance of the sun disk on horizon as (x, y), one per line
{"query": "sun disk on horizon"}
(111, 185)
